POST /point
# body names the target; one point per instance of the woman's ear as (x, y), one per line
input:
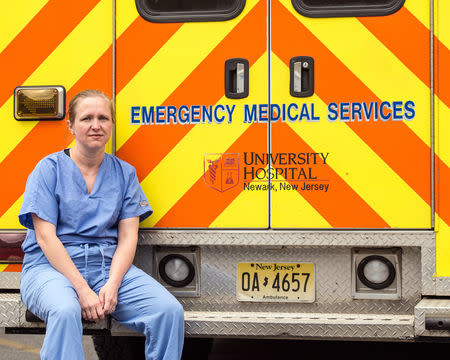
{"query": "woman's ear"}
(69, 126)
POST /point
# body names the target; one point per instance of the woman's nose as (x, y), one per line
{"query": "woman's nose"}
(95, 123)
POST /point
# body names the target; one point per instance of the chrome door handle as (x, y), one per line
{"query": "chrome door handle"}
(236, 78)
(302, 76)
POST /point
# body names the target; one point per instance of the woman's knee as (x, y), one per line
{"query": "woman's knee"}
(169, 309)
(66, 310)
(176, 309)
(172, 307)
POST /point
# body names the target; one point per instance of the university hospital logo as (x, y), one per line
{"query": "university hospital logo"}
(303, 171)
(221, 171)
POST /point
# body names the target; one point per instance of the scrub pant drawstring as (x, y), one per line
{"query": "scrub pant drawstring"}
(103, 263)
(86, 257)
(86, 249)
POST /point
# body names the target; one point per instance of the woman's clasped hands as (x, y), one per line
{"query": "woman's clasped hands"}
(94, 307)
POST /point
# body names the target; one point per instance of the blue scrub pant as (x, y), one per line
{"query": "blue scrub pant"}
(143, 305)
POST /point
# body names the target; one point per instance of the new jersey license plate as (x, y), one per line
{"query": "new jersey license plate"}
(276, 282)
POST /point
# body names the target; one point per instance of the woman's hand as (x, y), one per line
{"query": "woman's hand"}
(108, 297)
(91, 307)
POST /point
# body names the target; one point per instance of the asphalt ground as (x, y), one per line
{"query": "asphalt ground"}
(27, 347)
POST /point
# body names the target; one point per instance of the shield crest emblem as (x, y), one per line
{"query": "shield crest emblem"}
(221, 171)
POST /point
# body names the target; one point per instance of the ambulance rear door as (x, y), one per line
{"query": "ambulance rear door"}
(351, 129)
(185, 72)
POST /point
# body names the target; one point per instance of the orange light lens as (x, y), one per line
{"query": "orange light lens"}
(36, 103)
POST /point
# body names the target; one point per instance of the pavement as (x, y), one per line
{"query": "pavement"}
(27, 347)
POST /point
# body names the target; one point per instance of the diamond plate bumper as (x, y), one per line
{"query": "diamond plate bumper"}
(288, 325)
(12, 314)
(285, 325)
(334, 314)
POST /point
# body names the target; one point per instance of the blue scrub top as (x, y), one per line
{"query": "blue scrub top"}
(57, 192)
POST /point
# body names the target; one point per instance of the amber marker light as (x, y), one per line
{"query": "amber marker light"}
(39, 103)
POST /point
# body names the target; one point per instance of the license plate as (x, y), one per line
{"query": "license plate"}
(276, 282)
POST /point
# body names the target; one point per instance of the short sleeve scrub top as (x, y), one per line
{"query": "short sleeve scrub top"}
(57, 192)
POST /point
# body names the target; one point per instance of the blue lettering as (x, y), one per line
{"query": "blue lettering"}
(249, 117)
(356, 110)
(313, 117)
(134, 115)
(368, 111)
(148, 117)
(275, 112)
(207, 113)
(171, 114)
(263, 112)
(397, 110)
(410, 113)
(195, 114)
(283, 116)
(230, 113)
(304, 113)
(344, 111)
(216, 118)
(160, 115)
(384, 117)
(332, 112)
(375, 112)
(183, 114)
(292, 118)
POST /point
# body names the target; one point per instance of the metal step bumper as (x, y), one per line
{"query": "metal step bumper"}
(259, 324)
(288, 325)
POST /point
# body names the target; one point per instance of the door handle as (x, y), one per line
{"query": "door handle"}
(302, 76)
(236, 78)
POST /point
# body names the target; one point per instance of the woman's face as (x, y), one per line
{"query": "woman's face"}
(93, 123)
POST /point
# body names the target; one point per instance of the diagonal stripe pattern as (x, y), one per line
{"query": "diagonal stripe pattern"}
(25, 53)
(47, 137)
(409, 159)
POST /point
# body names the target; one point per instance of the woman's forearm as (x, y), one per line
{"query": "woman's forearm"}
(121, 262)
(126, 249)
(56, 254)
(59, 258)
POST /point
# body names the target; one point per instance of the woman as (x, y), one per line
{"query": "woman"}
(82, 208)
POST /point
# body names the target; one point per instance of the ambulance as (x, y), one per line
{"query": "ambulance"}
(296, 154)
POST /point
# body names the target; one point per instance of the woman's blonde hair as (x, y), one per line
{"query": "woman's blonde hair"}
(72, 111)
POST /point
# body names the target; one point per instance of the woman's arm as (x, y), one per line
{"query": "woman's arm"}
(121, 262)
(58, 257)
